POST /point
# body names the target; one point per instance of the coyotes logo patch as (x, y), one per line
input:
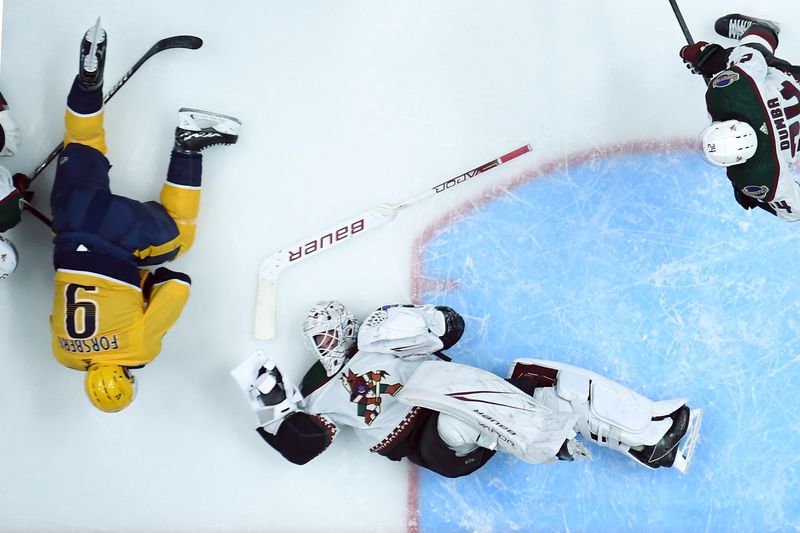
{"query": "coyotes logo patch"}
(365, 391)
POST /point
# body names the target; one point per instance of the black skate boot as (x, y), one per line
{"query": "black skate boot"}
(93, 57)
(197, 130)
(663, 452)
(734, 25)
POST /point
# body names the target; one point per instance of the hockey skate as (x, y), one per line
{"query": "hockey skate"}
(734, 25)
(197, 130)
(676, 448)
(93, 56)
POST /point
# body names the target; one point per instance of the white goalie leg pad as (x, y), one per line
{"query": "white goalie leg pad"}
(254, 385)
(459, 436)
(609, 414)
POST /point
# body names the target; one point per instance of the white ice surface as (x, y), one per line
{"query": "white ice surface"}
(344, 105)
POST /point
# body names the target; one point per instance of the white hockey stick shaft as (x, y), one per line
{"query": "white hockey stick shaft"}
(273, 265)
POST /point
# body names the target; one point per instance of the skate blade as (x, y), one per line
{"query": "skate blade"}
(209, 116)
(688, 442)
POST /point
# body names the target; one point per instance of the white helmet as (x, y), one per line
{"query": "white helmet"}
(8, 258)
(728, 143)
(330, 330)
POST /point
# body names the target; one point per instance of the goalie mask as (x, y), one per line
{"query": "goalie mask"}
(728, 143)
(8, 258)
(330, 330)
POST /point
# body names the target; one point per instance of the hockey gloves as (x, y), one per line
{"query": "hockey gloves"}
(704, 58)
(147, 279)
(748, 202)
(21, 183)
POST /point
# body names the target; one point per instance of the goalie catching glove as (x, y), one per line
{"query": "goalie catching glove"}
(269, 396)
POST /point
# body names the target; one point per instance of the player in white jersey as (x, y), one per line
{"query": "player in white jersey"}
(12, 190)
(753, 98)
(391, 383)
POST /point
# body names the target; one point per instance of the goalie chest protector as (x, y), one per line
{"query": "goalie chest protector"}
(362, 395)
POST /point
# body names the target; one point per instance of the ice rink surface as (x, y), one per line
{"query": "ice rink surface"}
(610, 246)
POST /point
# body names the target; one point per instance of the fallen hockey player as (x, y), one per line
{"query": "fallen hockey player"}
(753, 98)
(393, 385)
(109, 311)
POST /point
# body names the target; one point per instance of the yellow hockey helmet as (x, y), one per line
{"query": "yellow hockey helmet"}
(110, 387)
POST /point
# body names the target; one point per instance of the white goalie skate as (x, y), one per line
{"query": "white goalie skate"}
(688, 442)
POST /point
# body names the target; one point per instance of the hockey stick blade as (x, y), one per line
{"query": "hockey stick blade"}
(188, 42)
(273, 265)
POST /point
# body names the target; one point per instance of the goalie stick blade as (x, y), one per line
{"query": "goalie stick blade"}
(689, 442)
(265, 308)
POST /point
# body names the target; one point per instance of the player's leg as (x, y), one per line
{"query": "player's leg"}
(656, 434)
(446, 445)
(180, 196)
(84, 115)
(81, 182)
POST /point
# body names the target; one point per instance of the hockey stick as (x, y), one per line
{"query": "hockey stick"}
(276, 263)
(189, 42)
(681, 22)
(684, 28)
(27, 206)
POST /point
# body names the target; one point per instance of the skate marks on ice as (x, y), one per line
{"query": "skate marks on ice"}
(635, 262)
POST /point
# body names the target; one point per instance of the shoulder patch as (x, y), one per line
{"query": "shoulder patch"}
(759, 192)
(724, 78)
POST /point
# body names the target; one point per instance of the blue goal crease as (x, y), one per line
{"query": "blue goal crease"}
(642, 268)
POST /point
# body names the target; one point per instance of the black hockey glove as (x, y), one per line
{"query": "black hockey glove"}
(161, 274)
(747, 202)
(21, 183)
(704, 58)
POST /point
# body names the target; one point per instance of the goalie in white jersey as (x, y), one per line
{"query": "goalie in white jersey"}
(753, 98)
(392, 384)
